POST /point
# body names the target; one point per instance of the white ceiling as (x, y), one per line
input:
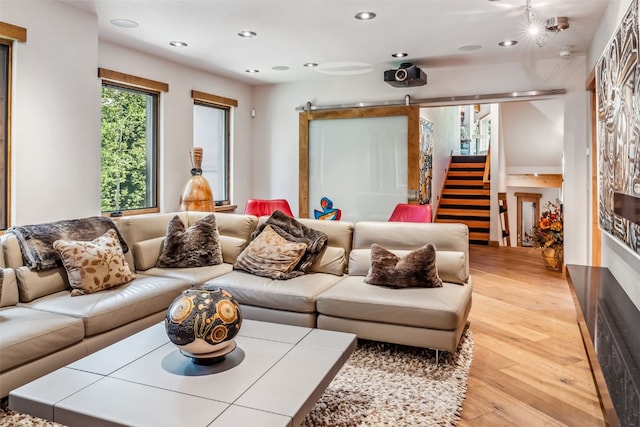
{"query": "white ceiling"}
(291, 33)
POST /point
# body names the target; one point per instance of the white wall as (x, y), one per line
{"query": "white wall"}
(533, 135)
(277, 120)
(177, 119)
(532, 138)
(446, 138)
(624, 265)
(56, 115)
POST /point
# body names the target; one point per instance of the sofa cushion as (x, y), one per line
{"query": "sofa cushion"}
(195, 276)
(451, 265)
(29, 334)
(35, 284)
(332, 260)
(11, 252)
(94, 266)
(147, 252)
(298, 294)
(115, 307)
(271, 255)
(234, 230)
(415, 269)
(404, 236)
(36, 241)
(196, 246)
(295, 231)
(9, 295)
(434, 308)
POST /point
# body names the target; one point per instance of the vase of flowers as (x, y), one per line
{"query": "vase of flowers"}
(548, 234)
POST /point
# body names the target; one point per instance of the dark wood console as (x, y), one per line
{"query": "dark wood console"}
(610, 326)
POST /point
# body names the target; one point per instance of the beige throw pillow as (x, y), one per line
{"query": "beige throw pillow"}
(94, 266)
(270, 255)
(416, 269)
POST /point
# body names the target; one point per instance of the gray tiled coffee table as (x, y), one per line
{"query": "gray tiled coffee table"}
(273, 378)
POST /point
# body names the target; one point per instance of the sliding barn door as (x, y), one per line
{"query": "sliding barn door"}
(361, 162)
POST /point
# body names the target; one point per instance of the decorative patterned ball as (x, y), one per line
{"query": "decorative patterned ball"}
(202, 321)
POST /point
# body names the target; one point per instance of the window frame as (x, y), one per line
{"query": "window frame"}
(5, 221)
(220, 102)
(9, 35)
(129, 82)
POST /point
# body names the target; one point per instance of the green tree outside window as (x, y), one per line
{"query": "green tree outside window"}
(128, 149)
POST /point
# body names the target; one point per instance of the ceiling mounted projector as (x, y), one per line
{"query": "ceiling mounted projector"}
(408, 75)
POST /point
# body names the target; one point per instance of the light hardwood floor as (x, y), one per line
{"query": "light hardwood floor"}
(529, 366)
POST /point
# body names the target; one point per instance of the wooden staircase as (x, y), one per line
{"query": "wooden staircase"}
(465, 199)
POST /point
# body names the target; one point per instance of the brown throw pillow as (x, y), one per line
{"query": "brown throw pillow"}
(197, 246)
(416, 269)
(271, 255)
(94, 266)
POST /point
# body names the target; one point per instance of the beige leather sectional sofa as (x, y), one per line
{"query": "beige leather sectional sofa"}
(43, 328)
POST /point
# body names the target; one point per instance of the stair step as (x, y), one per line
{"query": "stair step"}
(468, 166)
(462, 192)
(468, 159)
(475, 235)
(455, 197)
(464, 183)
(464, 212)
(450, 201)
(479, 242)
(472, 224)
(466, 173)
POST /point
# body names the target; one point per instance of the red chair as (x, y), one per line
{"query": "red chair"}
(405, 212)
(261, 207)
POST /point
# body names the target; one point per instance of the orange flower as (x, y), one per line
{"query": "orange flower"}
(545, 223)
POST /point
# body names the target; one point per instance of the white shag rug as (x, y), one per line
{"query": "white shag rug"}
(381, 384)
(385, 384)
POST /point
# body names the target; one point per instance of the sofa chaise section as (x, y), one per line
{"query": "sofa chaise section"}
(423, 317)
(79, 325)
(33, 343)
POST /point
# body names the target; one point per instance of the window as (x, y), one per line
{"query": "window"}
(211, 131)
(129, 147)
(5, 69)
(8, 35)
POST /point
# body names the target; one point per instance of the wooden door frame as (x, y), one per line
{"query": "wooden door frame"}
(413, 143)
(596, 238)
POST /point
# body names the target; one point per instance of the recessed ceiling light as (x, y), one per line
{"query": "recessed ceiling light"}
(365, 16)
(310, 64)
(469, 47)
(246, 33)
(124, 23)
(507, 43)
(251, 70)
(280, 68)
(178, 44)
(399, 54)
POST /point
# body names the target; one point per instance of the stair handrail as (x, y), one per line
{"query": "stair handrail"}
(486, 179)
(434, 212)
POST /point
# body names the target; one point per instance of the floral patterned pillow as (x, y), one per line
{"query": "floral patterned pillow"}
(270, 255)
(96, 265)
